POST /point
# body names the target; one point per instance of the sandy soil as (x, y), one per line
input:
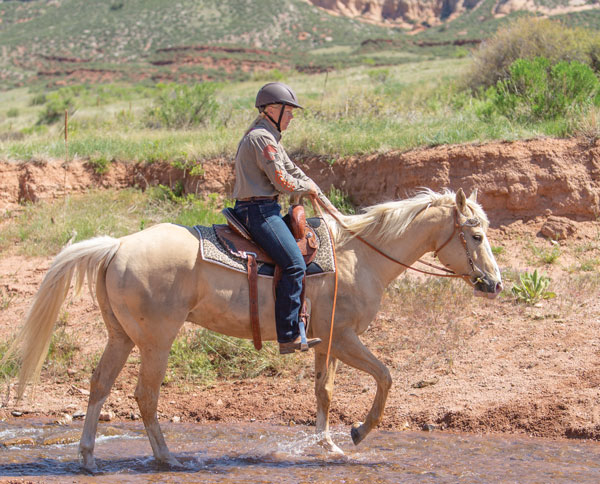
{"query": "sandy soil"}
(458, 362)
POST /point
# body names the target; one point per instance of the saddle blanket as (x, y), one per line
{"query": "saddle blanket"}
(212, 251)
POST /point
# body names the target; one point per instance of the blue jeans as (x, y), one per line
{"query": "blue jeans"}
(264, 222)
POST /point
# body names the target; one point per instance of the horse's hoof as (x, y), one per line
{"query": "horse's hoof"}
(329, 446)
(88, 464)
(356, 434)
(90, 468)
(173, 462)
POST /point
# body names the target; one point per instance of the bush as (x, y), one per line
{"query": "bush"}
(528, 38)
(56, 104)
(532, 288)
(537, 90)
(181, 106)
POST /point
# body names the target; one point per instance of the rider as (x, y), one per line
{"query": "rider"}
(263, 170)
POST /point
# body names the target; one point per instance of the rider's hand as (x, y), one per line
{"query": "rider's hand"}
(313, 189)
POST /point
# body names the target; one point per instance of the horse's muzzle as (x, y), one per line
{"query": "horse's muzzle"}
(487, 288)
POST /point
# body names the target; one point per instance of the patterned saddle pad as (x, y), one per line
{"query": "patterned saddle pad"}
(212, 251)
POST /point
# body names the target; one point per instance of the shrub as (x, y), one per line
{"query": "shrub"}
(100, 162)
(537, 90)
(56, 104)
(532, 288)
(528, 38)
(38, 99)
(180, 106)
(341, 201)
(378, 75)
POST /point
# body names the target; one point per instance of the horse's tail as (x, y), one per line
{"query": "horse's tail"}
(81, 259)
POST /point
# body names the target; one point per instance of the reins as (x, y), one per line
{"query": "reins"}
(317, 203)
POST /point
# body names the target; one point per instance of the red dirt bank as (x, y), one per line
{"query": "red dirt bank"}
(515, 180)
(492, 366)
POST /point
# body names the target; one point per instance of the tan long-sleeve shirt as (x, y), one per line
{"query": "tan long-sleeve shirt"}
(263, 168)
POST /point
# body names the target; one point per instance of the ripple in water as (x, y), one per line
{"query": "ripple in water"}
(259, 453)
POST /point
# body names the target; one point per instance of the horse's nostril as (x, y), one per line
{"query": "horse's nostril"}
(499, 287)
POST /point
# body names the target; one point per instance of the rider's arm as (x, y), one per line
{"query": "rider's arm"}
(285, 176)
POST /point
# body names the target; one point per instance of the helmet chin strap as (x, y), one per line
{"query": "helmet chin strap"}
(278, 122)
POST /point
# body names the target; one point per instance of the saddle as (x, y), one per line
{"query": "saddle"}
(237, 240)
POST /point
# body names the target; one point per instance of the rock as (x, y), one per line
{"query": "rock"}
(558, 228)
(79, 414)
(176, 419)
(107, 416)
(68, 438)
(71, 372)
(425, 383)
(16, 413)
(64, 419)
(134, 416)
(17, 442)
(110, 431)
(428, 427)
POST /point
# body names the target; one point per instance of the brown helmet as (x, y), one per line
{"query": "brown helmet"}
(276, 93)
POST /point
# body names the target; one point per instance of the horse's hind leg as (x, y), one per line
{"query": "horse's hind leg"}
(349, 349)
(114, 357)
(324, 378)
(152, 371)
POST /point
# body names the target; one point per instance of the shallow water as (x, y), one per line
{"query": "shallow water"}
(221, 453)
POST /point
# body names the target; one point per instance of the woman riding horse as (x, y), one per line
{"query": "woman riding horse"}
(263, 170)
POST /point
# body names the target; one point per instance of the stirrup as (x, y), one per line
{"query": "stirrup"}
(303, 324)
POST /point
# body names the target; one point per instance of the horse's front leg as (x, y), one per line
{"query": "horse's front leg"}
(349, 349)
(324, 377)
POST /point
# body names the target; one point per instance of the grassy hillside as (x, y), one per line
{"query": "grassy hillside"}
(351, 111)
(128, 38)
(61, 42)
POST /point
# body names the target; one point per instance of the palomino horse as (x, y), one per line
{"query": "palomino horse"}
(149, 283)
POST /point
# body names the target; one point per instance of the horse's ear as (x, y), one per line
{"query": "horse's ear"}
(461, 201)
(473, 195)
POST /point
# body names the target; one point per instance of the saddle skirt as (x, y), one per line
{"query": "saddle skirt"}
(219, 244)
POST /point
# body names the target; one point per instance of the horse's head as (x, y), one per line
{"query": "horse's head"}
(467, 250)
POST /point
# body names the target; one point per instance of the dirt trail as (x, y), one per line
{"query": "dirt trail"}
(486, 366)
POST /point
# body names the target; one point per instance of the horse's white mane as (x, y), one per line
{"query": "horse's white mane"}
(389, 220)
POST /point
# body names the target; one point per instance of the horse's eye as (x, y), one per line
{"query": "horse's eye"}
(478, 237)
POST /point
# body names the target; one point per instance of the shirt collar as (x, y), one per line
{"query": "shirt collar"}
(264, 123)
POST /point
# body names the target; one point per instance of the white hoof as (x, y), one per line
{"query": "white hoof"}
(329, 446)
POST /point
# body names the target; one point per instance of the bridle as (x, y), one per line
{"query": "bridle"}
(471, 222)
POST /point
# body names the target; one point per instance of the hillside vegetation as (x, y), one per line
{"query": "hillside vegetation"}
(63, 42)
(348, 111)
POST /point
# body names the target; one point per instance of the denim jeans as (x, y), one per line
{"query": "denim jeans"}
(264, 222)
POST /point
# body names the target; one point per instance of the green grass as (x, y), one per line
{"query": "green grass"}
(346, 113)
(545, 255)
(9, 368)
(204, 356)
(44, 228)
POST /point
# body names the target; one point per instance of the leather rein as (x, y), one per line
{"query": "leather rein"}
(458, 227)
(473, 222)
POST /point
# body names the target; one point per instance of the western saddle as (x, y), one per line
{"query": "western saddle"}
(237, 240)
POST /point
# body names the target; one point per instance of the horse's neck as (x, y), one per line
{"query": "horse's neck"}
(418, 239)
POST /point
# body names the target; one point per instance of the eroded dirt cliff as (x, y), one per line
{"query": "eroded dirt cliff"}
(515, 180)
